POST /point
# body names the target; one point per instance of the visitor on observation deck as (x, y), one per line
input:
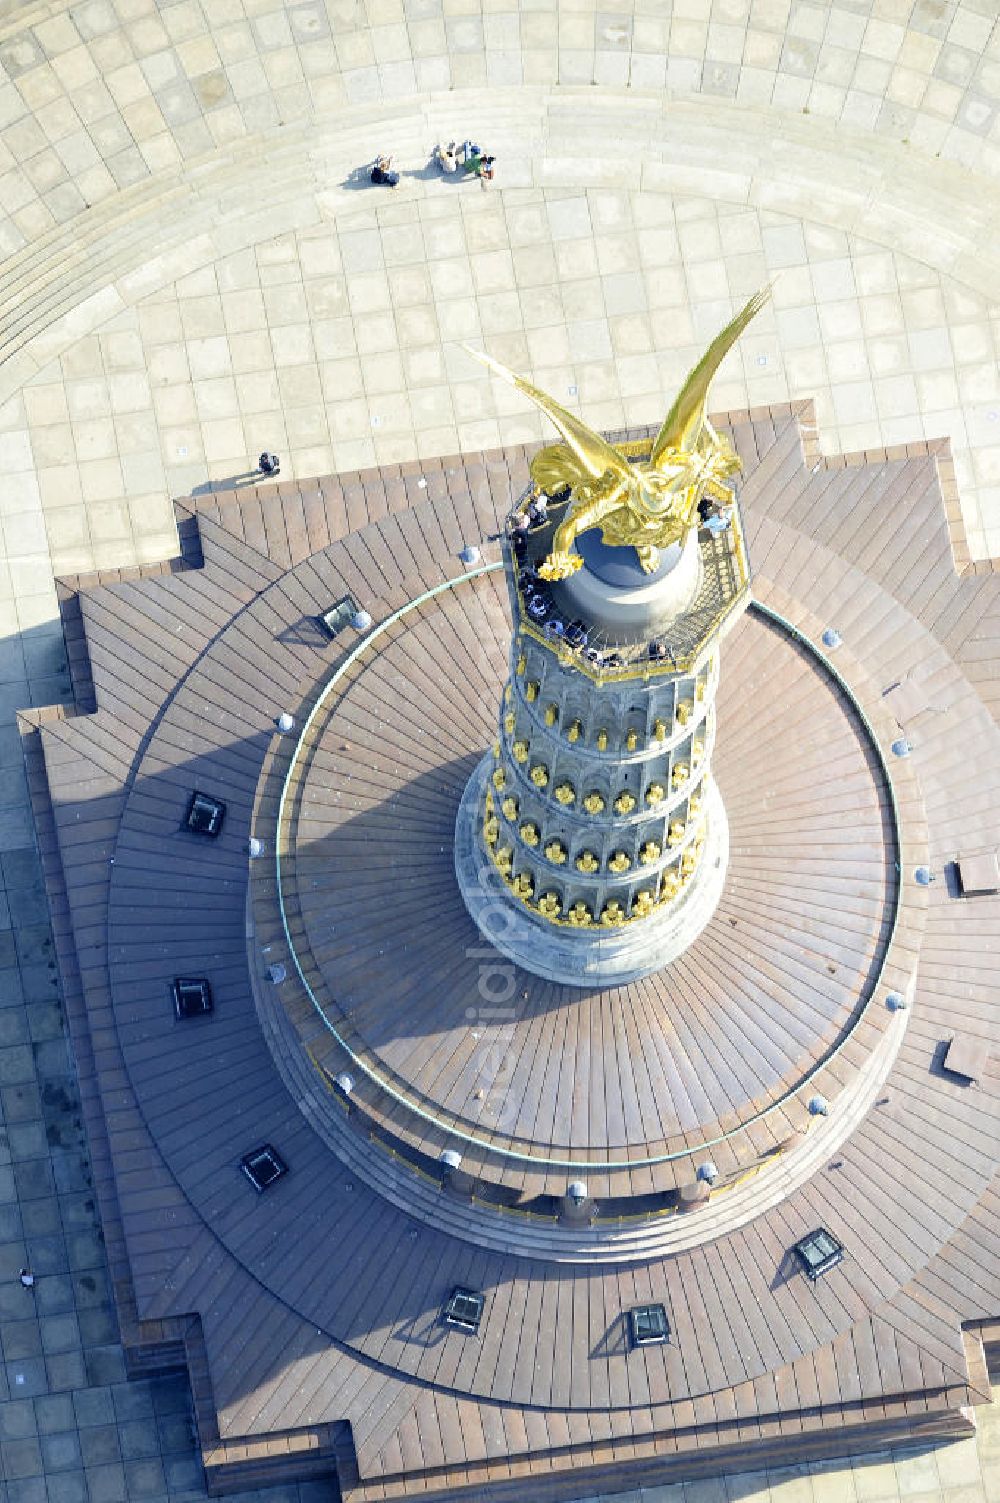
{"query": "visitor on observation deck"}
(720, 520)
(382, 173)
(713, 516)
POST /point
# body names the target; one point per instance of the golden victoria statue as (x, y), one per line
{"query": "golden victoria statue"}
(649, 504)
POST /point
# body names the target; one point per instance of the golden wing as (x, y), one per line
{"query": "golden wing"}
(592, 454)
(555, 467)
(683, 424)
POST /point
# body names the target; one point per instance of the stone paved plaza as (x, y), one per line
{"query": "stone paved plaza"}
(193, 268)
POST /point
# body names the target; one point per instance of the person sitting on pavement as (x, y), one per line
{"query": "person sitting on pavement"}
(382, 173)
(481, 166)
(447, 157)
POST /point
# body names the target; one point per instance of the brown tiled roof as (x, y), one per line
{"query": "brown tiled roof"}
(317, 1303)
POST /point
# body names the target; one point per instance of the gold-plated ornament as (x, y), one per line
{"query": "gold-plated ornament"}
(650, 504)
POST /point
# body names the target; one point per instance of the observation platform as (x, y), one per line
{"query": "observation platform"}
(311, 1313)
(606, 656)
(450, 1047)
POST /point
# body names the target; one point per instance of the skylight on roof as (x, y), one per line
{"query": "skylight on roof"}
(192, 997)
(648, 1325)
(464, 1310)
(205, 814)
(262, 1166)
(818, 1253)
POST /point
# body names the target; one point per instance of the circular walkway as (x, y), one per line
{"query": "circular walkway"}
(556, 1076)
(194, 271)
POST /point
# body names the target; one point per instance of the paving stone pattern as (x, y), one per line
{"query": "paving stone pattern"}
(341, 347)
(301, 314)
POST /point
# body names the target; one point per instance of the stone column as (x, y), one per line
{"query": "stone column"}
(591, 841)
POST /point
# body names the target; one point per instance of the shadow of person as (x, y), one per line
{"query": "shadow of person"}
(230, 482)
(424, 174)
(359, 177)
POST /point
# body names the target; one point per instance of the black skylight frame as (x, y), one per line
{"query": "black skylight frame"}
(464, 1310)
(263, 1166)
(338, 616)
(818, 1253)
(192, 997)
(205, 815)
(648, 1325)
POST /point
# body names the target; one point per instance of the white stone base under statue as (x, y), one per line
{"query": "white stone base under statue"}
(594, 957)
